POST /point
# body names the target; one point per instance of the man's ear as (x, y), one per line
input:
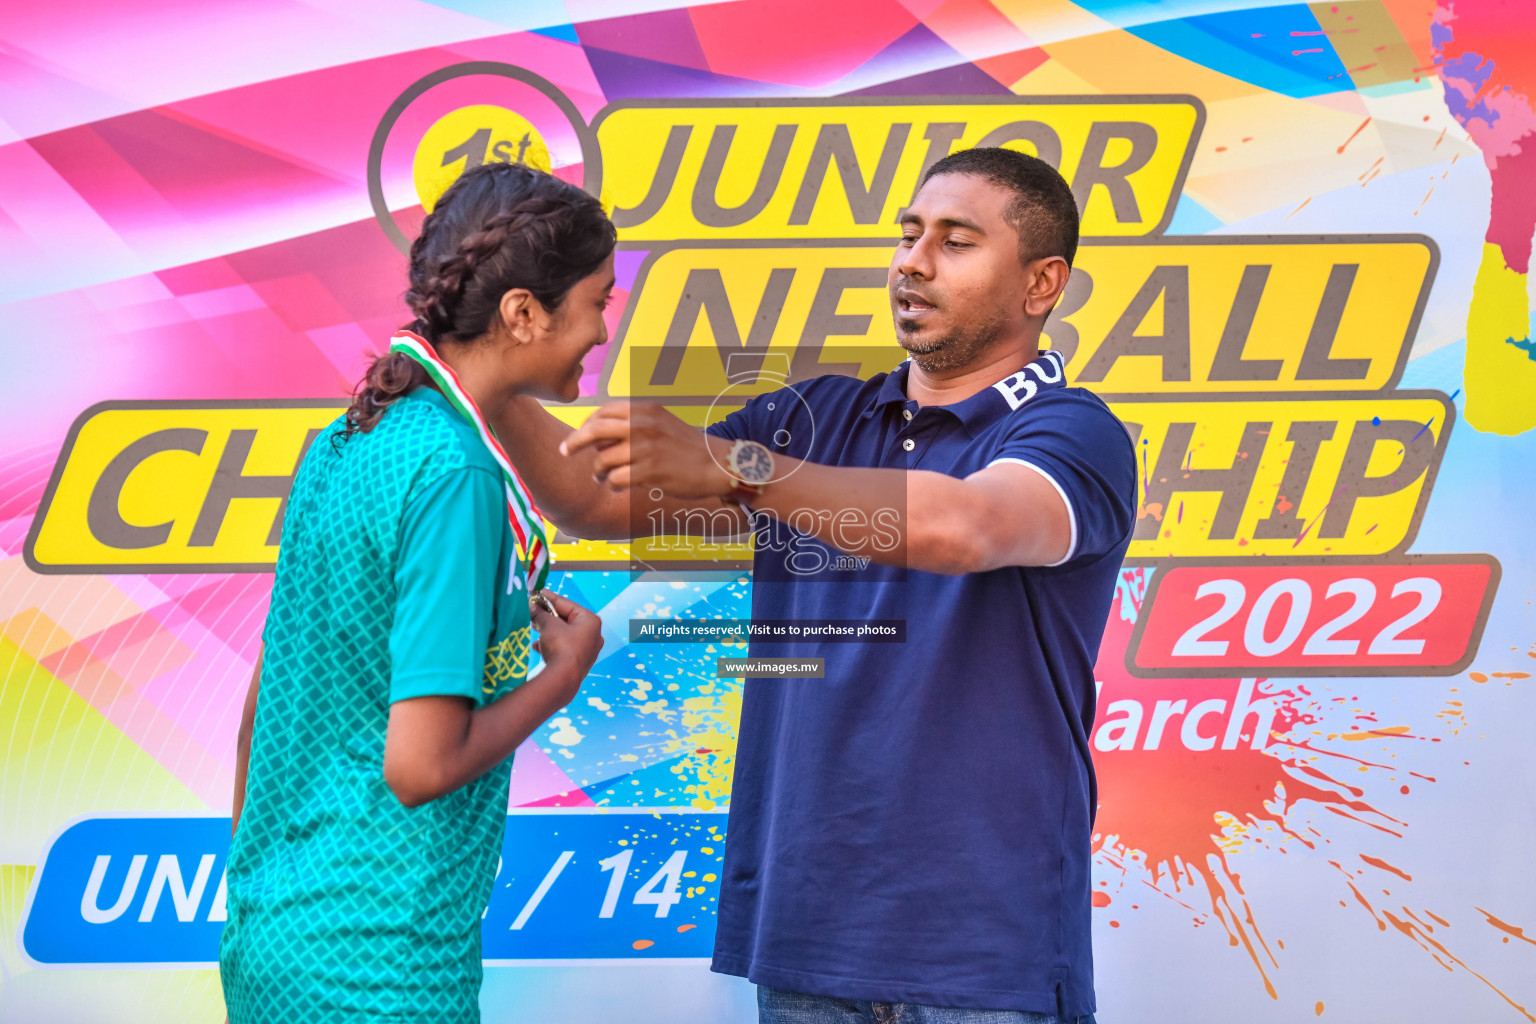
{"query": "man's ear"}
(522, 315)
(1045, 280)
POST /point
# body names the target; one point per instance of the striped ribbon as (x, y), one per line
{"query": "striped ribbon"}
(527, 523)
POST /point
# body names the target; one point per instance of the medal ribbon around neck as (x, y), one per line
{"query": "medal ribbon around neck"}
(527, 522)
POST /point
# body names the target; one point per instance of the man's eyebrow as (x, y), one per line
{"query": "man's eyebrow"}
(944, 222)
(959, 222)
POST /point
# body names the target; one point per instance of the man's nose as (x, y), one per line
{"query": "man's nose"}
(914, 262)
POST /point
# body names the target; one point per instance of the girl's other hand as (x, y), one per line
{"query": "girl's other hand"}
(437, 744)
(569, 642)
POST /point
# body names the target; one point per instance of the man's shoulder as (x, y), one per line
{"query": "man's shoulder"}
(1072, 398)
(1077, 405)
(1072, 423)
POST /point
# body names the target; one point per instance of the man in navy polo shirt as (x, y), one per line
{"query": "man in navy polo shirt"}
(909, 835)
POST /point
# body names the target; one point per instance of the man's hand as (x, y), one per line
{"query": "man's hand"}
(641, 444)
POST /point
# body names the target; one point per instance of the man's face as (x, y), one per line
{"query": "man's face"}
(956, 283)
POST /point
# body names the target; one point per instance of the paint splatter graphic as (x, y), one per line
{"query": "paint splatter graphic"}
(1192, 772)
(1487, 63)
(663, 724)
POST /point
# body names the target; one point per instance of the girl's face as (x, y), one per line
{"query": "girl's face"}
(566, 336)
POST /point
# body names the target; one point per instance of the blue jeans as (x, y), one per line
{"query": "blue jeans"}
(777, 1006)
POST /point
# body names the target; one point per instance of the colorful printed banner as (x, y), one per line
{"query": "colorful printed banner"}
(1303, 285)
(573, 885)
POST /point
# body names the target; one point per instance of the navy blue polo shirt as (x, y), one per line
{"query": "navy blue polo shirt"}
(915, 826)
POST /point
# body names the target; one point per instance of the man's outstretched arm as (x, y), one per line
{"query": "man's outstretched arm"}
(1006, 514)
(567, 488)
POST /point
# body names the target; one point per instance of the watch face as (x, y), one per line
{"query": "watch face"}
(753, 463)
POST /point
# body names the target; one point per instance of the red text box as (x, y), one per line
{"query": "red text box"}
(1418, 615)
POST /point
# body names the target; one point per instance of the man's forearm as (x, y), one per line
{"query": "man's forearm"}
(566, 489)
(999, 516)
(912, 518)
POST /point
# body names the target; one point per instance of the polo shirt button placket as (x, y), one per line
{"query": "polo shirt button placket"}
(909, 444)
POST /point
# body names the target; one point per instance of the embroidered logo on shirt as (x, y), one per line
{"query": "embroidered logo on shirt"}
(508, 660)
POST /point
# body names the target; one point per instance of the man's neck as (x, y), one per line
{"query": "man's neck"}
(957, 385)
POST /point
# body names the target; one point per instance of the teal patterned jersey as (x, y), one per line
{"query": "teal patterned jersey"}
(398, 578)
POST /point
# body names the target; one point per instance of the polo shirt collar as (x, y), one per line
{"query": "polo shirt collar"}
(975, 413)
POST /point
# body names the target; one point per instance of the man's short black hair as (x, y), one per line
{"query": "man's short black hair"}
(1043, 211)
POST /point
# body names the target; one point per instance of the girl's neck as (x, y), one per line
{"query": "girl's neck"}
(476, 366)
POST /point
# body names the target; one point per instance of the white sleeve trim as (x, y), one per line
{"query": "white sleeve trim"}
(1071, 513)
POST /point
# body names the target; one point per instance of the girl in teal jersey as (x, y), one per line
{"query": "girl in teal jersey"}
(375, 748)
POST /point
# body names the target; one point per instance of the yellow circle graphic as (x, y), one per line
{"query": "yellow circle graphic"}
(468, 137)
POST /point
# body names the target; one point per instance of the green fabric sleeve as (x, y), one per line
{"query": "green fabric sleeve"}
(445, 579)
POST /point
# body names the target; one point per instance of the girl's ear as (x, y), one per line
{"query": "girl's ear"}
(523, 315)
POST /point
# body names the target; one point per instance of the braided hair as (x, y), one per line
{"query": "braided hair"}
(499, 226)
